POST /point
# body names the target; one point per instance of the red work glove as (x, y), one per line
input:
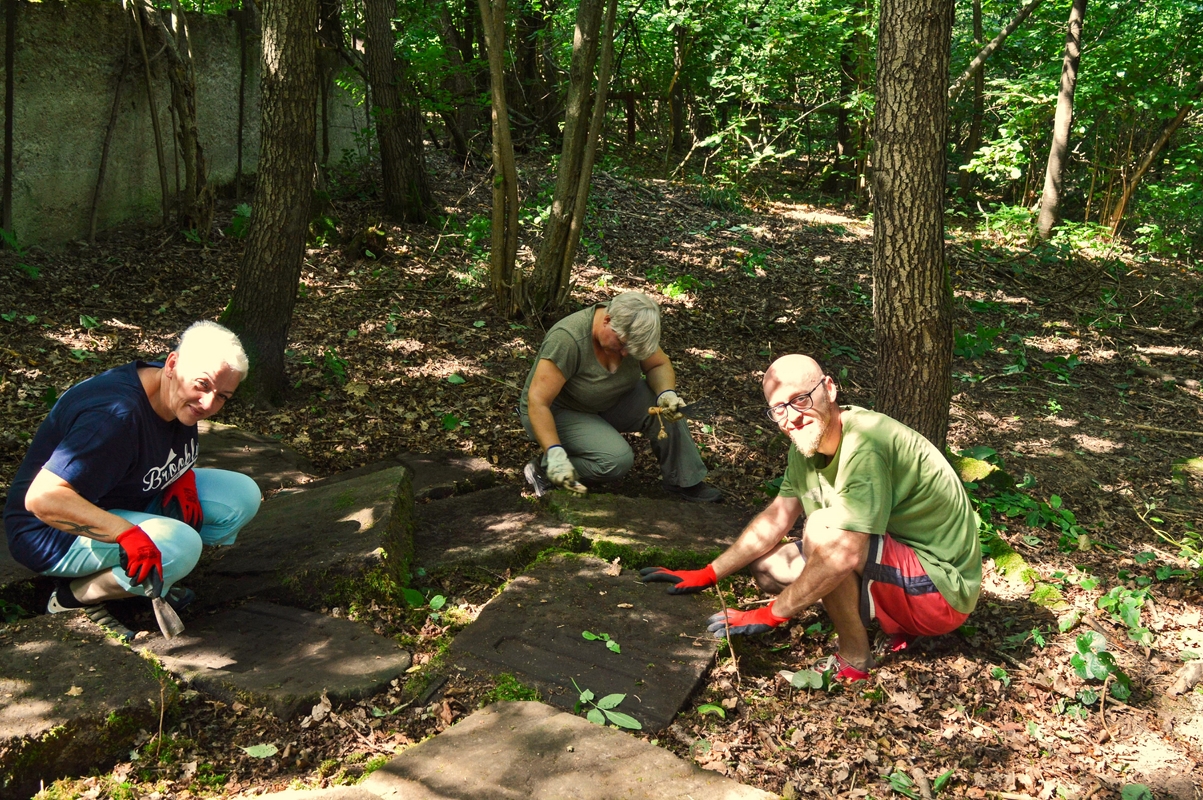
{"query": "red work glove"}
(139, 556)
(181, 502)
(744, 623)
(685, 581)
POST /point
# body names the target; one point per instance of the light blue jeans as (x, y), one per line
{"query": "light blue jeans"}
(229, 500)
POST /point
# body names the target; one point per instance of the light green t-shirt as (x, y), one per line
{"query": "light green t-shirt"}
(885, 477)
(589, 387)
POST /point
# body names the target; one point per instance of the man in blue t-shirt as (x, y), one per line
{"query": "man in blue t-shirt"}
(107, 499)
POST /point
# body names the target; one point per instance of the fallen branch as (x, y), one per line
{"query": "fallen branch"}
(1153, 428)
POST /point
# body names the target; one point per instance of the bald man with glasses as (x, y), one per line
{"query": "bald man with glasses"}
(890, 534)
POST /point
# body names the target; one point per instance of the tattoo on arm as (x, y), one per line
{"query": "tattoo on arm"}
(78, 530)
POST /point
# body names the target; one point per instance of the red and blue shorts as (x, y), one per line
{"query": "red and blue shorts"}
(896, 591)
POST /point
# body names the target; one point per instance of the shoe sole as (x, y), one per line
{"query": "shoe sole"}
(532, 477)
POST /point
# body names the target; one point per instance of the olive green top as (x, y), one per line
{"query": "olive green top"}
(885, 477)
(589, 387)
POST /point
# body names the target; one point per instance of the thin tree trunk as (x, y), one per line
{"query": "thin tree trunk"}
(240, 24)
(912, 302)
(152, 108)
(974, 140)
(462, 122)
(503, 278)
(548, 280)
(1058, 153)
(10, 58)
(108, 137)
(976, 64)
(1129, 186)
(265, 293)
(407, 194)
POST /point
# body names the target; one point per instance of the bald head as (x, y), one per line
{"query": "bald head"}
(790, 375)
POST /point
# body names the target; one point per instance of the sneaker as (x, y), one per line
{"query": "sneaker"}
(53, 606)
(110, 624)
(698, 493)
(842, 670)
(899, 642)
(179, 598)
(536, 477)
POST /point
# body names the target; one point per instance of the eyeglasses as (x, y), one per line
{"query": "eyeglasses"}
(779, 412)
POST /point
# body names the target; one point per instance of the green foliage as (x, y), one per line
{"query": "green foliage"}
(602, 711)
(611, 645)
(507, 688)
(711, 708)
(974, 345)
(1092, 662)
(1125, 605)
(240, 222)
(10, 241)
(901, 782)
(334, 367)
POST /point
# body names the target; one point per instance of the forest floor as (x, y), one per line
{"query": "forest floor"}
(1078, 369)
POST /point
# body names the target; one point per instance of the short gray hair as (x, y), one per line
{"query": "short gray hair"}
(208, 340)
(635, 317)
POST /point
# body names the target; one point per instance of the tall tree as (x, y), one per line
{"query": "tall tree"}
(584, 116)
(503, 252)
(266, 290)
(407, 194)
(912, 302)
(1050, 201)
(975, 66)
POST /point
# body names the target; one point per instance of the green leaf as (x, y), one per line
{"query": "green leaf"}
(1136, 791)
(437, 602)
(586, 695)
(611, 701)
(807, 679)
(450, 422)
(480, 323)
(939, 782)
(455, 379)
(413, 598)
(88, 322)
(711, 708)
(261, 750)
(596, 717)
(590, 635)
(624, 721)
(613, 647)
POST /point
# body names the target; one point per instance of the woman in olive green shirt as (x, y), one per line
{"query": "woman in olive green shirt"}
(598, 372)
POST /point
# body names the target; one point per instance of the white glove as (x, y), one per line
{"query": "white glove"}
(670, 405)
(560, 471)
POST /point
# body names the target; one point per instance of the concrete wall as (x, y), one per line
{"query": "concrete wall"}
(68, 57)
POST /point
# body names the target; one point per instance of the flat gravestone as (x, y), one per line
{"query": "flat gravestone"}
(71, 699)
(648, 523)
(269, 462)
(306, 535)
(495, 527)
(533, 629)
(330, 793)
(281, 658)
(531, 751)
(436, 475)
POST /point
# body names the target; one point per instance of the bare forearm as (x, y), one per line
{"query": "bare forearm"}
(544, 425)
(55, 503)
(662, 378)
(760, 536)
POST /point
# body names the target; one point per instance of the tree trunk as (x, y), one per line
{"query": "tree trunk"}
(407, 193)
(912, 302)
(974, 140)
(1130, 183)
(461, 123)
(330, 47)
(1050, 201)
(676, 105)
(504, 247)
(975, 65)
(552, 272)
(10, 55)
(261, 309)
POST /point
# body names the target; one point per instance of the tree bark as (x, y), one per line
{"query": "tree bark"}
(974, 140)
(407, 194)
(1050, 200)
(912, 302)
(152, 108)
(503, 279)
(463, 121)
(975, 65)
(1130, 183)
(261, 309)
(10, 57)
(330, 47)
(552, 272)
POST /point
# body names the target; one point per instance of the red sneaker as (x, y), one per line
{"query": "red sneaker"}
(900, 642)
(843, 671)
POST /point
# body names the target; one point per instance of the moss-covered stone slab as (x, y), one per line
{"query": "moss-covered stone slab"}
(71, 700)
(305, 539)
(437, 475)
(281, 658)
(531, 751)
(533, 630)
(269, 462)
(496, 527)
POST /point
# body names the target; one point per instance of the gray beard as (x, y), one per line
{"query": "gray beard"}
(808, 439)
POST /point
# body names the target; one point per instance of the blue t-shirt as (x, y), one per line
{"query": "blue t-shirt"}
(104, 438)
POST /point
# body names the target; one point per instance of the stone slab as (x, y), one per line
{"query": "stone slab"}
(71, 699)
(304, 535)
(531, 751)
(533, 630)
(281, 658)
(495, 527)
(331, 793)
(667, 525)
(269, 462)
(436, 475)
